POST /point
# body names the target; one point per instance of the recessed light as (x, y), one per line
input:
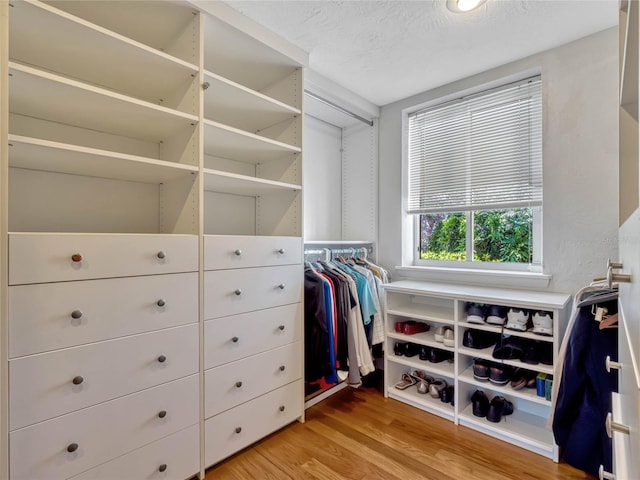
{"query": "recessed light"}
(462, 6)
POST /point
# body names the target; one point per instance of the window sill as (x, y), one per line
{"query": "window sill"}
(495, 278)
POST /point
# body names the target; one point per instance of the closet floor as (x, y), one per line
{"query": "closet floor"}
(358, 434)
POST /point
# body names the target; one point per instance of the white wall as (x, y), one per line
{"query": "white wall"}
(580, 150)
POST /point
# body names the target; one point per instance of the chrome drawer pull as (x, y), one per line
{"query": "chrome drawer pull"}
(76, 314)
(238, 429)
(238, 252)
(602, 475)
(76, 257)
(161, 303)
(610, 426)
(238, 292)
(162, 359)
(280, 327)
(77, 380)
(282, 368)
(235, 339)
(281, 286)
(610, 364)
(161, 255)
(281, 408)
(162, 467)
(281, 251)
(72, 447)
(162, 413)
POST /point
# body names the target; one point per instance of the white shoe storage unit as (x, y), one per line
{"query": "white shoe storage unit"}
(445, 305)
(151, 237)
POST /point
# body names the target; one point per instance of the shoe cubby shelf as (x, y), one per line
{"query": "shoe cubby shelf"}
(438, 304)
(505, 331)
(486, 353)
(424, 402)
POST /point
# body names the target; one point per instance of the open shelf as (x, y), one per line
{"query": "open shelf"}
(497, 329)
(37, 154)
(122, 64)
(39, 94)
(419, 311)
(528, 394)
(425, 338)
(443, 369)
(486, 353)
(424, 402)
(234, 144)
(224, 182)
(232, 104)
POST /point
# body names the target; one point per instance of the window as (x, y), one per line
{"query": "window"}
(475, 176)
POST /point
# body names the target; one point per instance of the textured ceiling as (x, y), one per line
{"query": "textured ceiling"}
(389, 50)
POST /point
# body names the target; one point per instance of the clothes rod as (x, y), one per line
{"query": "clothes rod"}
(339, 108)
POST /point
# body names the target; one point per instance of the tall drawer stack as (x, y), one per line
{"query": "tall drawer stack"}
(253, 350)
(103, 350)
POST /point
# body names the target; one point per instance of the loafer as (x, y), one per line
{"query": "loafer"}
(479, 339)
(436, 355)
(399, 348)
(411, 349)
(475, 313)
(497, 315)
(545, 353)
(436, 388)
(499, 374)
(481, 369)
(412, 327)
(509, 348)
(498, 408)
(479, 403)
(440, 332)
(447, 394)
(531, 353)
(520, 378)
(448, 340)
(399, 327)
(425, 353)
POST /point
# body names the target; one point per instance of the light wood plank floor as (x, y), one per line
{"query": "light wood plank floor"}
(360, 435)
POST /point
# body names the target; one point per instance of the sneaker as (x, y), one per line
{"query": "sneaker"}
(448, 339)
(497, 315)
(517, 319)
(439, 333)
(475, 313)
(543, 323)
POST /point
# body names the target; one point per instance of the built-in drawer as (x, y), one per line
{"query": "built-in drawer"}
(227, 339)
(50, 384)
(229, 292)
(238, 382)
(48, 257)
(236, 251)
(73, 443)
(48, 316)
(235, 429)
(175, 457)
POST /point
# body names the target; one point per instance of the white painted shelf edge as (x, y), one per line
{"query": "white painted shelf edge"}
(225, 182)
(528, 394)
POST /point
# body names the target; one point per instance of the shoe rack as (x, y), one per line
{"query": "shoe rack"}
(445, 305)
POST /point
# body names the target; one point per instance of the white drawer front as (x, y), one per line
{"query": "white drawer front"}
(231, 431)
(48, 257)
(228, 292)
(231, 338)
(175, 457)
(227, 251)
(103, 432)
(42, 386)
(48, 316)
(235, 383)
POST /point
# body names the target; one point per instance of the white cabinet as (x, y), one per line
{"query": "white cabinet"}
(443, 305)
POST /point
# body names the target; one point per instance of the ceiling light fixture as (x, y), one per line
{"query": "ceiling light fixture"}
(462, 6)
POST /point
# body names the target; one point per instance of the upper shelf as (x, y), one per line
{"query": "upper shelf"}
(233, 104)
(37, 154)
(94, 54)
(225, 182)
(50, 97)
(231, 143)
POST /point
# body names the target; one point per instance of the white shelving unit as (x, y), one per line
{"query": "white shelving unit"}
(149, 144)
(445, 304)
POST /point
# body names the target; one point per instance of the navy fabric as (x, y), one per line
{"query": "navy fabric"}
(584, 396)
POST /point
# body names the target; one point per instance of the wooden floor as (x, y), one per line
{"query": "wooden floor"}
(358, 434)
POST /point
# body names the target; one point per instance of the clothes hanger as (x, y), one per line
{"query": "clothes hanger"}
(598, 296)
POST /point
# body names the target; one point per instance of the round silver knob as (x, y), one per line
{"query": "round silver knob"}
(238, 384)
(162, 359)
(76, 314)
(238, 429)
(238, 252)
(281, 286)
(72, 447)
(161, 254)
(235, 339)
(238, 292)
(205, 85)
(161, 303)
(162, 468)
(77, 380)
(162, 413)
(610, 364)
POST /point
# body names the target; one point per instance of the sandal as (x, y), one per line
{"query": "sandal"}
(406, 382)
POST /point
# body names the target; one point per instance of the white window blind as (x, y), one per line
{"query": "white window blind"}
(481, 152)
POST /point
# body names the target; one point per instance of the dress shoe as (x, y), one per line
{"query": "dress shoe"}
(399, 348)
(425, 353)
(411, 349)
(479, 339)
(499, 374)
(481, 369)
(479, 403)
(447, 394)
(499, 407)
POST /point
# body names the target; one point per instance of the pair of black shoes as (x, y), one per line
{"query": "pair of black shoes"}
(434, 355)
(407, 349)
(496, 373)
(494, 410)
(532, 352)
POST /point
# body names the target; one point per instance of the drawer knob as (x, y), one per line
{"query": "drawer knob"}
(162, 413)
(162, 359)
(238, 292)
(280, 327)
(610, 426)
(610, 364)
(162, 468)
(281, 408)
(161, 303)
(281, 251)
(603, 475)
(238, 384)
(281, 286)
(161, 255)
(72, 447)
(77, 380)
(76, 314)
(238, 429)
(282, 368)
(235, 339)
(76, 257)
(238, 252)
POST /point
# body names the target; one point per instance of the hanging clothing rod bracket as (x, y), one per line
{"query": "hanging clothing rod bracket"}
(338, 107)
